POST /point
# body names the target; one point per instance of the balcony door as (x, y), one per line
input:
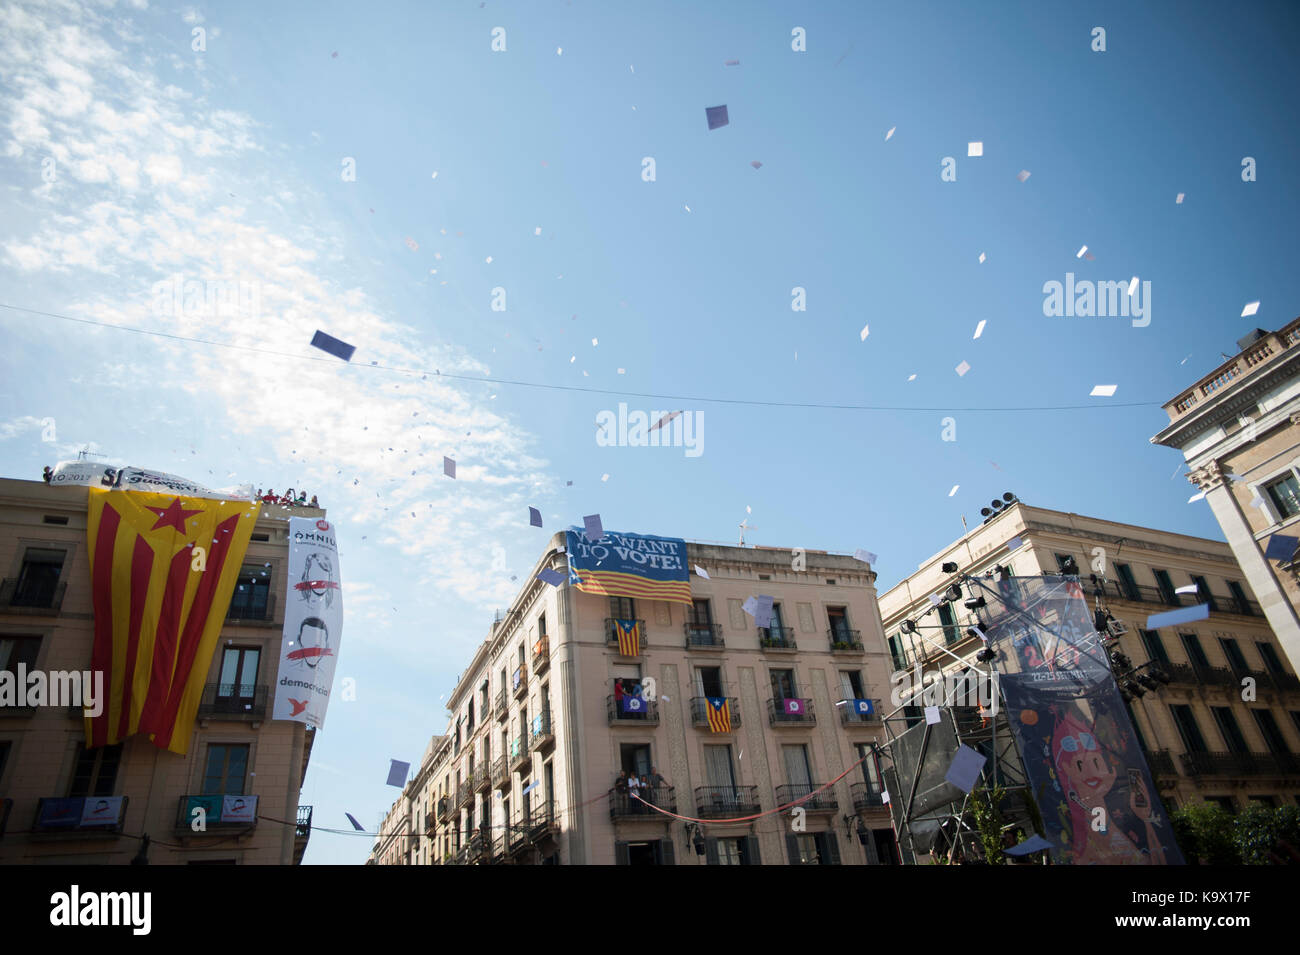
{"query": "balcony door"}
(797, 768)
(839, 621)
(1195, 653)
(870, 771)
(708, 681)
(635, 759)
(237, 684)
(720, 772)
(782, 684)
(226, 769)
(39, 578)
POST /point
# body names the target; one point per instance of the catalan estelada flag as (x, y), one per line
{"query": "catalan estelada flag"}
(719, 714)
(162, 570)
(629, 637)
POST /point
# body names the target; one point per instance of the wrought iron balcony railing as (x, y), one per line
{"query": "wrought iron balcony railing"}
(776, 638)
(500, 772)
(259, 611)
(501, 708)
(703, 636)
(700, 711)
(849, 714)
(867, 796)
(623, 806)
(236, 701)
(845, 641)
(791, 711)
(303, 829)
(542, 655)
(619, 716)
(1240, 764)
(40, 600)
(1161, 763)
(726, 802)
(824, 801)
(543, 734)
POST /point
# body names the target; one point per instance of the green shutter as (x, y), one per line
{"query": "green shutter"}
(792, 846)
(620, 854)
(711, 851)
(831, 850)
(752, 855)
(666, 852)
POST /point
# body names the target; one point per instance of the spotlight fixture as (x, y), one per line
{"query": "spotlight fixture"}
(1147, 681)
(975, 603)
(987, 654)
(948, 567)
(1136, 690)
(862, 832)
(1121, 660)
(1004, 573)
(1162, 676)
(1008, 497)
(996, 504)
(952, 593)
(985, 512)
(698, 843)
(1069, 568)
(908, 626)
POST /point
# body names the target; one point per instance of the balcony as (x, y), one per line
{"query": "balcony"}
(703, 636)
(1257, 355)
(543, 737)
(1137, 594)
(520, 758)
(501, 708)
(1240, 764)
(1161, 763)
(301, 834)
(517, 838)
(252, 613)
(464, 795)
(87, 817)
(726, 802)
(867, 796)
(500, 773)
(611, 637)
(700, 712)
(500, 845)
(777, 638)
(481, 780)
(6, 806)
(791, 711)
(216, 812)
(520, 683)
(228, 701)
(38, 601)
(478, 848)
(462, 854)
(649, 715)
(623, 806)
(542, 655)
(824, 801)
(444, 808)
(845, 641)
(543, 824)
(849, 716)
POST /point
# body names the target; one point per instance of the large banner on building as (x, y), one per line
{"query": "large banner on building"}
(630, 565)
(1082, 758)
(313, 623)
(89, 474)
(163, 568)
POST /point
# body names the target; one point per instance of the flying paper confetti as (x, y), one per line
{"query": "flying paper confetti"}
(981, 258)
(911, 377)
(701, 571)
(974, 149)
(1200, 496)
(732, 63)
(397, 772)
(330, 344)
(1179, 200)
(966, 767)
(1023, 175)
(717, 116)
(756, 164)
(412, 244)
(962, 369)
(1173, 618)
(1281, 547)
(534, 517)
(548, 576)
(890, 133)
(1132, 286)
(593, 528)
(979, 329)
(1079, 254)
(1103, 391)
(1014, 543)
(954, 490)
(604, 477)
(864, 555)
(862, 336)
(351, 818)
(664, 420)
(1188, 589)
(932, 715)
(1250, 309)
(448, 467)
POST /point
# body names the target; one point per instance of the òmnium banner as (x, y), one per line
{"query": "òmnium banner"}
(313, 623)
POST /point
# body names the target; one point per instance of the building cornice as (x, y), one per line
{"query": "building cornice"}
(1226, 405)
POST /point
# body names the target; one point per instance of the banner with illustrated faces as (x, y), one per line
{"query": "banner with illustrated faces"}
(313, 623)
(1082, 757)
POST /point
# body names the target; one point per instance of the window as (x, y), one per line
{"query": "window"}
(797, 768)
(1272, 734)
(718, 768)
(1233, 652)
(6, 745)
(541, 626)
(1285, 495)
(700, 613)
(238, 679)
(897, 652)
(708, 681)
(252, 593)
(1192, 644)
(39, 578)
(870, 769)
(1127, 582)
(469, 717)
(739, 850)
(1185, 720)
(659, 852)
(1229, 729)
(813, 848)
(951, 632)
(838, 617)
(1239, 598)
(1266, 653)
(1153, 645)
(622, 608)
(15, 650)
(96, 770)
(1166, 587)
(1062, 560)
(851, 685)
(1132, 718)
(783, 687)
(1224, 802)
(1203, 593)
(226, 768)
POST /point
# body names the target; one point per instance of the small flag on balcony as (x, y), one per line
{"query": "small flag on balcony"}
(629, 637)
(792, 707)
(633, 704)
(862, 707)
(719, 714)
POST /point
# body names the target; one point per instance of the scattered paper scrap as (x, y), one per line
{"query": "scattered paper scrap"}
(552, 577)
(412, 244)
(448, 467)
(962, 368)
(890, 133)
(865, 556)
(1079, 254)
(1023, 175)
(330, 344)
(717, 116)
(604, 477)
(1187, 589)
(1198, 496)
(979, 329)
(397, 772)
(351, 818)
(1250, 309)
(1173, 618)
(592, 527)
(1179, 200)
(664, 420)
(1102, 391)
(534, 517)
(701, 572)
(932, 715)
(954, 490)
(862, 335)
(1014, 543)
(732, 63)
(1132, 286)
(981, 258)
(1281, 547)
(966, 767)
(974, 149)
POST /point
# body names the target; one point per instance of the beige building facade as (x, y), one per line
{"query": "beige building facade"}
(46, 624)
(1238, 428)
(1206, 737)
(543, 724)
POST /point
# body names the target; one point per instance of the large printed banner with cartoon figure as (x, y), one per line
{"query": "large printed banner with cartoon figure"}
(1081, 755)
(313, 623)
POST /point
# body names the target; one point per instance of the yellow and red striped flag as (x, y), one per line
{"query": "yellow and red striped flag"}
(162, 569)
(629, 637)
(719, 714)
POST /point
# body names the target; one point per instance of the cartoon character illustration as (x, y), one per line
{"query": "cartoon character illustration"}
(318, 585)
(1086, 773)
(313, 642)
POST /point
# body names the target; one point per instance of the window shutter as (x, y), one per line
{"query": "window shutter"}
(752, 856)
(792, 846)
(831, 856)
(666, 852)
(620, 854)
(711, 851)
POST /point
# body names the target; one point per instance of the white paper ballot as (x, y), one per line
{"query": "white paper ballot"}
(932, 714)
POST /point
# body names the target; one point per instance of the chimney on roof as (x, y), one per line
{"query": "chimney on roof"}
(1249, 339)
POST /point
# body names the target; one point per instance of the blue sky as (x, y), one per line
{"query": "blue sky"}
(150, 138)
